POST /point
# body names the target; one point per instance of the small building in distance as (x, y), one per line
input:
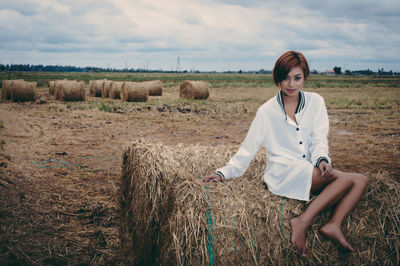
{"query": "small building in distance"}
(328, 72)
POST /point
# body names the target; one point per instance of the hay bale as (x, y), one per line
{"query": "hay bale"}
(57, 92)
(155, 87)
(23, 91)
(5, 89)
(115, 90)
(105, 89)
(51, 87)
(72, 90)
(91, 87)
(194, 90)
(97, 88)
(169, 217)
(134, 92)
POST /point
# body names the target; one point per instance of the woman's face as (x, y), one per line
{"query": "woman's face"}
(293, 83)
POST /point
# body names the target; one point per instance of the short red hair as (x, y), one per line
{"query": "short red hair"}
(286, 62)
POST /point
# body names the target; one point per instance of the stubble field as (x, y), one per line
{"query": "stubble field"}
(60, 162)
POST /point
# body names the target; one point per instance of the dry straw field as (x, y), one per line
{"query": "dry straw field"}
(107, 181)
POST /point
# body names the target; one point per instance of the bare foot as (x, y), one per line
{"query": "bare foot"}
(298, 239)
(333, 232)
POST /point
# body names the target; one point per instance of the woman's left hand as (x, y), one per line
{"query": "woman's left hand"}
(212, 178)
(326, 169)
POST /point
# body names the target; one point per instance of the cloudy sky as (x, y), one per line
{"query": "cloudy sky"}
(205, 34)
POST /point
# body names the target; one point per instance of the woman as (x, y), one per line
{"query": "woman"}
(293, 127)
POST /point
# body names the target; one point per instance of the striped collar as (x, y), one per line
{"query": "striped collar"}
(300, 105)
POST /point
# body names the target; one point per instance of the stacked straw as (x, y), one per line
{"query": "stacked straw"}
(134, 92)
(169, 217)
(194, 90)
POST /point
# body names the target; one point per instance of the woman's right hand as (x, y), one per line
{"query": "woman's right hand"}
(212, 178)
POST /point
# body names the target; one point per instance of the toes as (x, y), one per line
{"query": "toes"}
(349, 248)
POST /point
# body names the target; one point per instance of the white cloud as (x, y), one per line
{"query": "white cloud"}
(207, 35)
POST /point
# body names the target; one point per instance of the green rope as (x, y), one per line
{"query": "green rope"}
(212, 237)
(283, 216)
(252, 236)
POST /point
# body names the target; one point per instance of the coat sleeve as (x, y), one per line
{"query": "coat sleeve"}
(319, 137)
(238, 164)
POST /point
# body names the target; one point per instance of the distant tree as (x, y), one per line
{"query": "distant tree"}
(337, 70)
(347, 72)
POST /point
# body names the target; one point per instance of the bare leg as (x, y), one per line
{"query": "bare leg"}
(344, 188)
(332, 229)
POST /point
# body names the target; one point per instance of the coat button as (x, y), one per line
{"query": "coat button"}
(304, 156)
(297, 129)
(300, 142)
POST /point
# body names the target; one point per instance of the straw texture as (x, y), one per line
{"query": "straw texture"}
(96, 88)
(52, 87)
(105, 90)
(115, 90)
(57, 88)
(155, 87)
(6, 89)
(169, 217)
(91, 87)
(23, 91)
(194, 90)
(72, 91)
(134, 92)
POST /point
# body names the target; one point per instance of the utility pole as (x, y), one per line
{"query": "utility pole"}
(178, 64)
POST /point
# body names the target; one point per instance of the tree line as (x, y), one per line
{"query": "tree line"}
(58, 68)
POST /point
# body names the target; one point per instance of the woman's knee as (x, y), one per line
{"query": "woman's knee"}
(356, 179)
(360, 180)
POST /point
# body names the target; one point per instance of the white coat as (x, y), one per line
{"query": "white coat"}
(292, 149)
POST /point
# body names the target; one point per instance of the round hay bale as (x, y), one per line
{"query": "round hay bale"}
(57, 92)
(72, 91)
(115, 90)
(91, 87)
(52, 87)
(134, 92)
(97, 88)
(155, 87)
(105, 89)
(194, 90)
(169, 217)
(23, 91)
(6, 90)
